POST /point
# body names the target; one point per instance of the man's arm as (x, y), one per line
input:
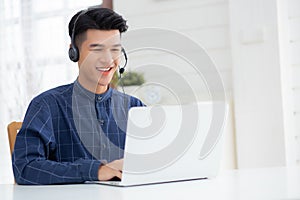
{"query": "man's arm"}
(33, 161)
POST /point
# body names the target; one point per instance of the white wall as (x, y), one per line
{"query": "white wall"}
(293, 24)
(206, 22)
(248, 39)
(261, 82)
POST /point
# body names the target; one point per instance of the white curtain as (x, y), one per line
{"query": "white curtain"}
(33, 58)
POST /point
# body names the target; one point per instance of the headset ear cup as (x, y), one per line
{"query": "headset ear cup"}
(73, 54)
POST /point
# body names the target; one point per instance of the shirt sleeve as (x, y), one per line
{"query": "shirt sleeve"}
(135, 102)
(32, 158)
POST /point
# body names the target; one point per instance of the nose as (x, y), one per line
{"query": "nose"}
(106, 57)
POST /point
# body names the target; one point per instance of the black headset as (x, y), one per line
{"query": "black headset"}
(74, 51)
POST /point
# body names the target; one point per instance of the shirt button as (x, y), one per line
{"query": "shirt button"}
(99, 98)
(104, 146)
(101, 122)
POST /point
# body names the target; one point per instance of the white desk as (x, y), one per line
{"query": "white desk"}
(268, 183)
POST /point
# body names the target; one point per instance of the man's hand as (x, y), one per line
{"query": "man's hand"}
(116, 164)
(110, 170)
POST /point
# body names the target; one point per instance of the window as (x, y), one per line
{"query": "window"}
(34, 46)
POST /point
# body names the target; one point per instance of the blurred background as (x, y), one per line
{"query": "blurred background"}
(255, 45)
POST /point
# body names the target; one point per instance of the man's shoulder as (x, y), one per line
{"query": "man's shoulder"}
(122, 95)
(60, 92)
(134, 101)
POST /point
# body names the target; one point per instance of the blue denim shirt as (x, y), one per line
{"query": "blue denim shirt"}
(68, 132)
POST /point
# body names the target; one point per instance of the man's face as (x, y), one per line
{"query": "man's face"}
(99, 57)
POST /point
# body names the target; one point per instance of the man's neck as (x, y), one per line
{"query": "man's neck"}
(101, 89)
(94, 88)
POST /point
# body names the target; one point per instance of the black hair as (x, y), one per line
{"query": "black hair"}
(95, 18)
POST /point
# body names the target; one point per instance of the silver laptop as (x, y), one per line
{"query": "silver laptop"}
(172, 143)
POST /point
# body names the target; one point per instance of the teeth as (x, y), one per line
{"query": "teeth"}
(103, 69)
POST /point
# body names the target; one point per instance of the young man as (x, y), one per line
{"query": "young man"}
(76, 133)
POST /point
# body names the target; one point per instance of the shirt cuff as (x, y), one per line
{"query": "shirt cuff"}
(89, 170)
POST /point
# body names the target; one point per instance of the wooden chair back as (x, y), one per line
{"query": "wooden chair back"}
(12, 130)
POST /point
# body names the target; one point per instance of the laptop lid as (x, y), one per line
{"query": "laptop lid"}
(173, 143)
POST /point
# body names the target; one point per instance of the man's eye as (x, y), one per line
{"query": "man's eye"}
(115, 50)
(97, 50)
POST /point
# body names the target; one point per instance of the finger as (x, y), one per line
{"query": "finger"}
(106, 173)
(121, 162)
(112, 166)
(116, 164)
(119, 175)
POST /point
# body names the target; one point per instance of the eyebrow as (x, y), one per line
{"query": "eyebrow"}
(101, 45)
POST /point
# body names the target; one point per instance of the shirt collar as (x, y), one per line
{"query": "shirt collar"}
(90, 95)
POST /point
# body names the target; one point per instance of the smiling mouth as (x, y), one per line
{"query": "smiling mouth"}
(103, 69)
